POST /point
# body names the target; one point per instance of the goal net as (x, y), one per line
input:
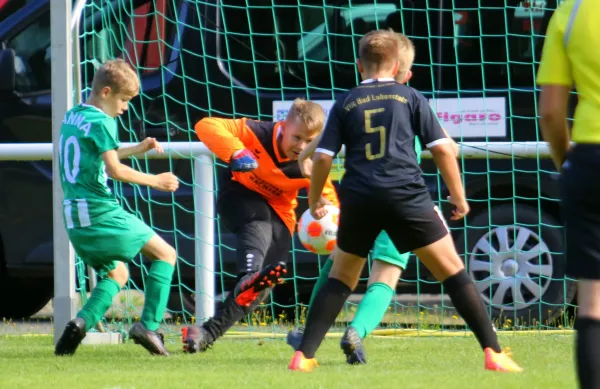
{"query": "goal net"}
(475, 60)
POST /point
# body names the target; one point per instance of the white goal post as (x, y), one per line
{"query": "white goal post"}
(66, 91)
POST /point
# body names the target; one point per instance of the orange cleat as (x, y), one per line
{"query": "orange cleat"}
(300, 363)
(251, 287)
(500, 361)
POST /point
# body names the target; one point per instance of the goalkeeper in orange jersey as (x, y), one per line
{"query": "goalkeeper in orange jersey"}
(388, 262)
(257, 203)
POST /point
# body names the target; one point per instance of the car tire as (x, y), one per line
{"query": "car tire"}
(518, 265)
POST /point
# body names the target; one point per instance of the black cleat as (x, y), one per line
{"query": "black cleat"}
(351, 345)
(195, 339)
(150, 340)
(250, 288)
(71, 337)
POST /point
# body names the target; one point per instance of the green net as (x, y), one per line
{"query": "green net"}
(475, 60)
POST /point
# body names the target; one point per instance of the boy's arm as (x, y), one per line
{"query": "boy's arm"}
(556, 79)
(442, 149)
(305, 157)
(329, 193)
(227, 138)
(329, 145)
(116, 170)
(222, 136)
(104, 137)
(454, 144)
(139, 149)
(445, 159)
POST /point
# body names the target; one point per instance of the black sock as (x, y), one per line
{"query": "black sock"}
(470, 307)
(230, 312)
(328, 303)
(588, 352)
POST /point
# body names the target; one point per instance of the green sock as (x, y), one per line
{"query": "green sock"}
(99, 302)
(323, 276)
(372, 307)
(158, 288)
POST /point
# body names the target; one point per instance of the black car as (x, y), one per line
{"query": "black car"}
(250, 58)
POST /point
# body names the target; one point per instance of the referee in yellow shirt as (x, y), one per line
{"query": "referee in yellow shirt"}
(571, 58)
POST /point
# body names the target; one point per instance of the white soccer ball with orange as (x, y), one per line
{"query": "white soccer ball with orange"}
(319, 236)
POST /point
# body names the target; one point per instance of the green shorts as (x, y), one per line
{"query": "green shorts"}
(384, 250)
(119, 238)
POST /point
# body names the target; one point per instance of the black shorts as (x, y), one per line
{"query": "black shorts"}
(411, 224)
(262, 237)
(580, 192)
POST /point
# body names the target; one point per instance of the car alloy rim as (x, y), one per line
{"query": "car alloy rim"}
(511, 267)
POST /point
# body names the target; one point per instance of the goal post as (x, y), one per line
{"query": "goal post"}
(61, 38)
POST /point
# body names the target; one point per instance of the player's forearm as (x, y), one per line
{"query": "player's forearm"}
(454, 144)
(555, 132)
(126, 152)
(320, 172)
(218, 138)
(128, 175)
(310, 148)
(445, 160)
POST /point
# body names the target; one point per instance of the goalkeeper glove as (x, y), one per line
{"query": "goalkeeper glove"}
(243, 161)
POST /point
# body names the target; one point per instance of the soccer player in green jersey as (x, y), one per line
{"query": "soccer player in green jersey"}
(388, 262)
(103, 234)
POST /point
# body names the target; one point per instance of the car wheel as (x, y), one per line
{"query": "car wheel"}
(518, 265)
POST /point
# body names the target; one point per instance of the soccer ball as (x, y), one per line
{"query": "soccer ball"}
(319, 236)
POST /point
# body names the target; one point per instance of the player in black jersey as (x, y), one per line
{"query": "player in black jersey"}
(383, 189)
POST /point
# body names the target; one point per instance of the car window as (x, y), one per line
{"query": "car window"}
(32, 51)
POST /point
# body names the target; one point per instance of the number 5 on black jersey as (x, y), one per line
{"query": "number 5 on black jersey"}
(369, 129)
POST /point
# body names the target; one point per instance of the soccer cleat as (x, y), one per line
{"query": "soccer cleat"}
(294, 338)
(243, 161)
(249, 289)
(300, 363)
(500, 361)
(351, 345)
(195, 339)
(71, 337)
(150, 340)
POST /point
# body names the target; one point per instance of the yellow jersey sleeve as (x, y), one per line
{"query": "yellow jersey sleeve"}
(555, 67)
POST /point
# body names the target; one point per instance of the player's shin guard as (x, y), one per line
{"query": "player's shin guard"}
(588, 352)
(99, 302)
(158, 288)
(372, 308)
(465, 297)
(323, 277)
(327, 305)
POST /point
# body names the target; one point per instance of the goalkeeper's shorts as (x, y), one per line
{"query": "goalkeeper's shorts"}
(117, 239)
(385, 251)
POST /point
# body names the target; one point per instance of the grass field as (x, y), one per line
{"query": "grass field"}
(404, 362)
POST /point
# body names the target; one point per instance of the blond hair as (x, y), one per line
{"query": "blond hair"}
(378, 50)
(406, 55)
(118, 75)
(308, 113)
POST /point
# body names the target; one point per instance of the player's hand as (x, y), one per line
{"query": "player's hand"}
(243, 161)
(166, 182)
(305, 166)
(151, 144)
(317, 210)
(462, 208)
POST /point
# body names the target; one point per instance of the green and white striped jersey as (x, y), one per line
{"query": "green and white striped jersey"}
(85, 134)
